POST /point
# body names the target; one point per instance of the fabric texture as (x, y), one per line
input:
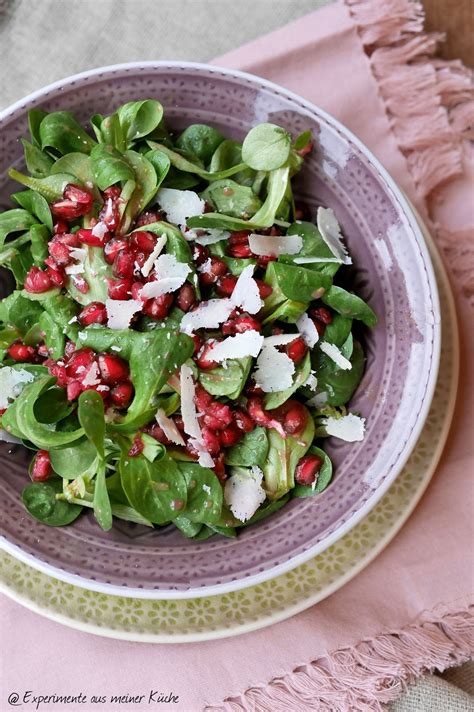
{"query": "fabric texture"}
(408, 612)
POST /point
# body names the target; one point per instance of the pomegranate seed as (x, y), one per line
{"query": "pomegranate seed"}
(144, 241)
(156, 432)
(179, 423)
(158, 307)
(264, 289)
(307, 469)
(296, 350)
(110, 214)
(60, 227)
(197, 343)
(293, 416)
(217, 268)
(41, 469)
(59, 252)
(321, 314)
(239, 251)
(211, 441)
(59, 372)
(140, 259)
(262, 417)
(137, 447)
(122, 394)
(88, 238)
(113, 369)
(21, 352)
(136, 289)
(148, 218)
(37, 281)
(200, 254)
(68, 238)
(186, 297)
(225, 285)
(79, 362)
(58, 279)
(113, 191)
(120, 288)
(230, 436)
(113, 248)
(73, 390)
(76, 202)
(43, 350)
(217, 415)
(202, 398)
(203, 359)
(263, 260)
(306, 149)
(219, 467)
(80, 284)
(124, 265)
(239, 238)
(243, 420)
(93, 313)
(243, 322)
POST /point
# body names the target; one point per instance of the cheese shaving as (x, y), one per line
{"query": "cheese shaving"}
(307, 329)
(188, 407)
(247, 344)
(100, 230)
(330, 231)
(350, 428)
(208, 315)
(148, 264)
(205, 460)
(275, 244)
(243, 492)
(274, 369)
(120, 312)
(169, 427)
(180, 204)
(246, 294)
(12, 381)
(92, 377)
(335, 354)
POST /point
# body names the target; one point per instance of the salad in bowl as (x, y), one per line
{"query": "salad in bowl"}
(178, 342)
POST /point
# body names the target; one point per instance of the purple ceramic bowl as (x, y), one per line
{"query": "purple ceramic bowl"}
(392, 271)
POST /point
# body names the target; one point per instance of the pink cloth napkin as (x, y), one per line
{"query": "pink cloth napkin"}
(409, 610)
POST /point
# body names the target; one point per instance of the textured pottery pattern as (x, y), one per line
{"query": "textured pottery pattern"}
(266, 603)
(394, 274)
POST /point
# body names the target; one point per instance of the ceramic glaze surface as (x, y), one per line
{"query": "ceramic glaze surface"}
(392, 270)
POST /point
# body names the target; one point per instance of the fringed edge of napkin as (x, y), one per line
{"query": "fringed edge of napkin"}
(429, 101)
(368, 675)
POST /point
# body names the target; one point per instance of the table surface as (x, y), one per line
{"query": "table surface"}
(456, 19)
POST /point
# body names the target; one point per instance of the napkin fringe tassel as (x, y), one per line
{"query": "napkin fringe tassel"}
(429, 101)
(368, 675)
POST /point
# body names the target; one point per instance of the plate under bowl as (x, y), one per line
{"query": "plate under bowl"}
(392, 271)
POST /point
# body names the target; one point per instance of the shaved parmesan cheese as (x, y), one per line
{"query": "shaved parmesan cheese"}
(188, 407)
(180, 204)
(307, 329)
(318, 400)
(205, 460)
(274, 369)
(331, 233)
(243, 492)
(100, 230)
(170, 274)
(246, 294)
(92, 377)
(120, 312)
(206, 267)
(275, 244)
(280, 339)
(148, 264)
(11, 384)
(206, 237)
(79, 254)
(350, 428)
(311, 382)
(247, 344)
(335, 354)
(208, 315)
(169, 428)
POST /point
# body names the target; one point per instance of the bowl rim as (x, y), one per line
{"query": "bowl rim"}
(354, 518)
